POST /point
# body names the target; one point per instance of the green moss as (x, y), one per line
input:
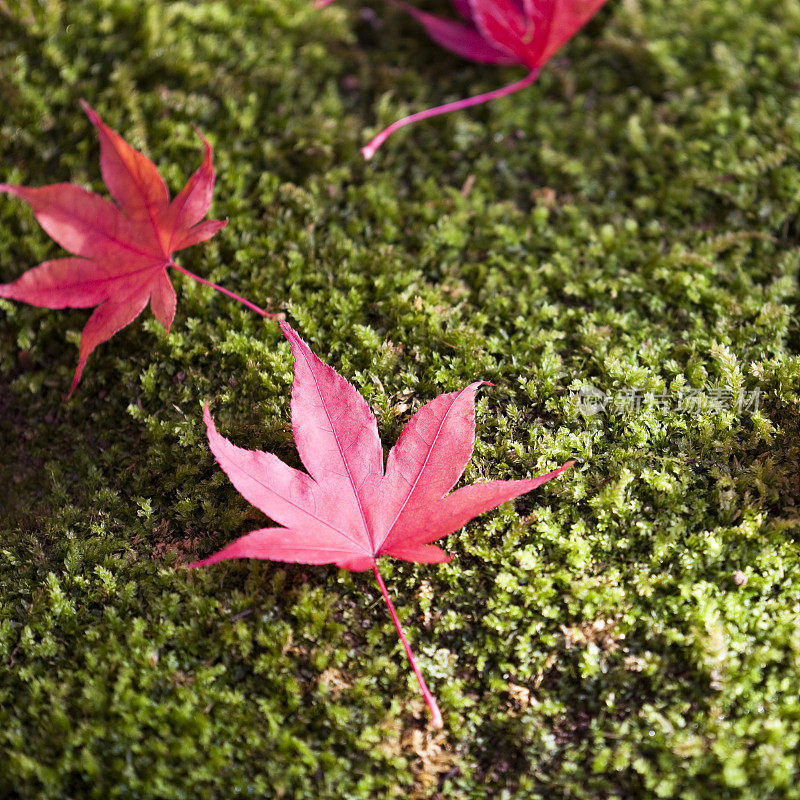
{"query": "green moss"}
(630, 222)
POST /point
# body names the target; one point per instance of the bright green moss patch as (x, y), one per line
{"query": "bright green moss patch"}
(630, 223)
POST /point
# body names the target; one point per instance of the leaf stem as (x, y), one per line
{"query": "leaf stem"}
(222, 289)
(368, 151)
(436, 715)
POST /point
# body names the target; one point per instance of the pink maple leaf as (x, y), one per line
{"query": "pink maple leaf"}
(347, 509)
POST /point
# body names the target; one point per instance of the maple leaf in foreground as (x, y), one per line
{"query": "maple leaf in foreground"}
(503, 32)
(347, 510)
(122, 251)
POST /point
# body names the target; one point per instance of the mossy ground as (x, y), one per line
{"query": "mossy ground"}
(630, 222)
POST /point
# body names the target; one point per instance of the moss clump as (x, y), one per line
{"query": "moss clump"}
(630, 222)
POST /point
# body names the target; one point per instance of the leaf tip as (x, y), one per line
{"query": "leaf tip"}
(75, 380)
(289, 332)
(206, 143)
(94, 117)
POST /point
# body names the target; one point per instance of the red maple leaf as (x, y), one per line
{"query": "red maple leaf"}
(347, 510)
(121, 251)
(524, 32)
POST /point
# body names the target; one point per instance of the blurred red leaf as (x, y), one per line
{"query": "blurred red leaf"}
(524, 32)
